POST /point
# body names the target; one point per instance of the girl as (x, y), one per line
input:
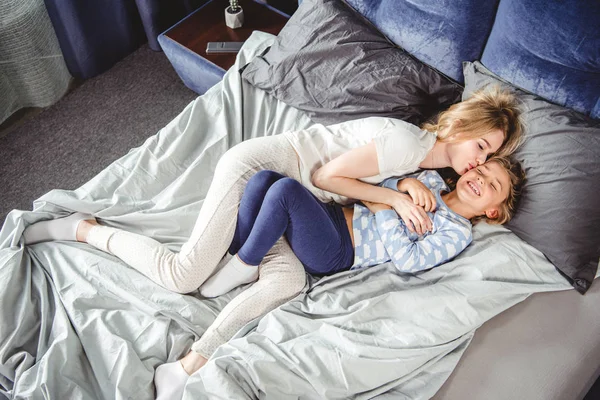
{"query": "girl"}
(328, 238)
(346, 158)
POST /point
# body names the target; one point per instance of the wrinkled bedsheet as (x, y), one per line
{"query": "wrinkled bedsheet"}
(77, 323)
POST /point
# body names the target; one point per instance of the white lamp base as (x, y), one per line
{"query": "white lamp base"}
(234, 19)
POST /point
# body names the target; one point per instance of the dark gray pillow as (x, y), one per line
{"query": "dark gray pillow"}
(559, 213)
(330, 62)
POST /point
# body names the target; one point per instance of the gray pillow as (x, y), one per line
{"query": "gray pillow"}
(330, 62)
(559, 213)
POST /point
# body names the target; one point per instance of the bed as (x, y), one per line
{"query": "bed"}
(499, 321)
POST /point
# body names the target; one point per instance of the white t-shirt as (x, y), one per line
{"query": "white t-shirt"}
(401, 147)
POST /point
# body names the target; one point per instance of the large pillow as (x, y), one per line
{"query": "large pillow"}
(559, 213)
(330, 62)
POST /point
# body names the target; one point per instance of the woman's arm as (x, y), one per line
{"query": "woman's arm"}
(341, 174)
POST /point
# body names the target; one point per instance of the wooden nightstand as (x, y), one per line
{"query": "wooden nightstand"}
(185, 43)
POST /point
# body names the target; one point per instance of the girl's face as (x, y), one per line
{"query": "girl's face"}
(466, 155)
(484, 188)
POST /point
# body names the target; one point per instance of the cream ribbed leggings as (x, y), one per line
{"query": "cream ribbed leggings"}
(281, 274)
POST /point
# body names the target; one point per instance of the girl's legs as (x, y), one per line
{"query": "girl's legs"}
(274, 205)
(317, 232)
(252, 200)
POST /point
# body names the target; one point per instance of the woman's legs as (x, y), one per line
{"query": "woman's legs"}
(185, 271)
(281, 277)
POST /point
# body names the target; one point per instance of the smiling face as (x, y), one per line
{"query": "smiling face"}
(467, 154)
(484, 188)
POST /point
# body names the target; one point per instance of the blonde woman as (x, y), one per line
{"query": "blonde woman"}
(336, 163)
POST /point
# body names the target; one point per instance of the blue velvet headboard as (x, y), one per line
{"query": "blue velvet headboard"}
(550, 48)
(442, 34)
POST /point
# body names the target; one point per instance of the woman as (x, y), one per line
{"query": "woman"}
(342, 160)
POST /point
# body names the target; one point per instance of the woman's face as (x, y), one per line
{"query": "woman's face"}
(466, 155)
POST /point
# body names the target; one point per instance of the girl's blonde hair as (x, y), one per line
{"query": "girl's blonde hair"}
(509, 205)
(486, 110)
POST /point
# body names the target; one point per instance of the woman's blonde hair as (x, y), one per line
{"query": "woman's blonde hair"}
(509, 205)
(486, 110)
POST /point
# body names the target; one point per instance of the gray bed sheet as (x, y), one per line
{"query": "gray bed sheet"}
(79, 324)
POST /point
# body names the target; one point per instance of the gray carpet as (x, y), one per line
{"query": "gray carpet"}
(70, 142)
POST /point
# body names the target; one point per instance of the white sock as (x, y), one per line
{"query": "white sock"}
(55, 229)
(169, 381)
(223, 261)
(232, 275)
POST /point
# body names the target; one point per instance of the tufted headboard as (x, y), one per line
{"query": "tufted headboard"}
(440, 33)
(549, 48)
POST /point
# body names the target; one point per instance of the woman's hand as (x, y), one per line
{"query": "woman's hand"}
(413, 215)
(375, 207)
(420, 194)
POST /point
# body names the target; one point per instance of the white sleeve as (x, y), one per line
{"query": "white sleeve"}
(397, 149)
(361, 128)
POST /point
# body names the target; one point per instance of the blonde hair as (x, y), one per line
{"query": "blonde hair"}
(486, 110)
(517, 178)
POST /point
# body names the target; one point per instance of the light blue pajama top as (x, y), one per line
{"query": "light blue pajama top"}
(383, 237)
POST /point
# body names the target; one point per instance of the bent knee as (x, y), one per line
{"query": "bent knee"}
(230, 157)
(286, 189)
(264, 178)
(174, 275)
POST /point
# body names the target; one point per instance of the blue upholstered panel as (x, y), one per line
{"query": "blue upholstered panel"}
(94, 35)
(441, 33)
(197, 73)
(550, 48)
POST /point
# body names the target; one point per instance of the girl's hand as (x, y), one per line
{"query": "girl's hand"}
(413, 215)
(420, 194)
